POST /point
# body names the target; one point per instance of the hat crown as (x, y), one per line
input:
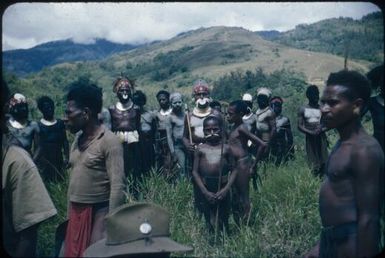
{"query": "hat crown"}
(134, 222)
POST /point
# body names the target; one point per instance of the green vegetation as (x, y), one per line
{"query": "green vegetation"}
(284, 221)
(363, 39)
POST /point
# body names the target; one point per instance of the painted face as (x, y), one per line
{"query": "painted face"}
(212, 131)
(177, 103)
(337, 110)
(201, 95)
(277, 107)
(163, 101)
(249, 105)
(19, 111)
(124, 94)
(263, 101)
(74, 117)
(47, 110)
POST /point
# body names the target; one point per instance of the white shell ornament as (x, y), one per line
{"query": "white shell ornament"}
(145, 228)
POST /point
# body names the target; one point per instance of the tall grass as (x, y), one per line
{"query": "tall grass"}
(284, 220)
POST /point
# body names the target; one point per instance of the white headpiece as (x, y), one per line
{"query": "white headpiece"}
(247, 97)
(264, 91)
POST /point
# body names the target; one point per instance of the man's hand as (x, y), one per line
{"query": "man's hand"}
(210, 197)
(221, 194)
(190, 148)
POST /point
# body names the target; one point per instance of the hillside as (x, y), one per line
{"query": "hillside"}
(25, 61)
(207, 53)
(363, 38)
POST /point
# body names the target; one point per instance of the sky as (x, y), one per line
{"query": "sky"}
(25, 25)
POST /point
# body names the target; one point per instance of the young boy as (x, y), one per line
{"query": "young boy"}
(211, 172)
(238, 138)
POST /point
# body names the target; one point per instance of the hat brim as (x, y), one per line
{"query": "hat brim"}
(157, 245)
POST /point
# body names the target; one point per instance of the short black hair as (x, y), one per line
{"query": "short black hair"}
(164, 93)
(240, 106)
(86, 95)
(357, 84)
(139, 98)
(214, 118)
(376, 76)
(312, 90)
(44, 99)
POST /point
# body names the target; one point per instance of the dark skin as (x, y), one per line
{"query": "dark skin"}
(20, 114)
(238, 143)
(205, 164)
(313, 103)
(352, 189)
(84, 119)
(120, 121)
(263, 102)
(48, 111)
(277, 108)
(190, 146)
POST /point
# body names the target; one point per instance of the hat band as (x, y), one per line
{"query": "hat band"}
(108, 242)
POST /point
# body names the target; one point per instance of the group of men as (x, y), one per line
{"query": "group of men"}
(218, 150)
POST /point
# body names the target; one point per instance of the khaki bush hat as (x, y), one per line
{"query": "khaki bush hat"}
(140, 228)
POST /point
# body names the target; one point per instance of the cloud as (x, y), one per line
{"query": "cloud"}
(28, 24)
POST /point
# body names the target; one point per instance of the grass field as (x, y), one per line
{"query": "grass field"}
(284, 221)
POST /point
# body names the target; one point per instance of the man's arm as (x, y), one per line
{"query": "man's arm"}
(256, 140)
(272, 125)
(186, 135)
(169, 125)
(289, 135)
(366, 166)
(66, 149)
(115, 170)
(36, 142)
(234, 172)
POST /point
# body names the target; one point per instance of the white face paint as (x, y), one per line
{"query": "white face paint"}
(202, 103)
(125, 96)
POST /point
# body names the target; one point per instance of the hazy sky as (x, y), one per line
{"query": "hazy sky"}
(28, 24)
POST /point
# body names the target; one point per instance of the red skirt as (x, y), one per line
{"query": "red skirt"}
(79, 230)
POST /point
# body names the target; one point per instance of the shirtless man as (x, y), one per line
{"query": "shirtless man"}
(53, 142)
(177, 127)
(146, 132)
(265, 118)
(238, 138)
(353, 188)
(211, 169)
(282, 147)
(193, 129)
(163, 137)
(125, 122)
(25, 133)
(309, 122)
(193, 123)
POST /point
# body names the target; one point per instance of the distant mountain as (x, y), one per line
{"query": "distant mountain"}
(174, 64)
(25, 61)
(269, 34)
(363, 39)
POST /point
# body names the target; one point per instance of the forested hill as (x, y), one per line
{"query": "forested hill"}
(364, 38)
(25, 61)
(174, 64)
